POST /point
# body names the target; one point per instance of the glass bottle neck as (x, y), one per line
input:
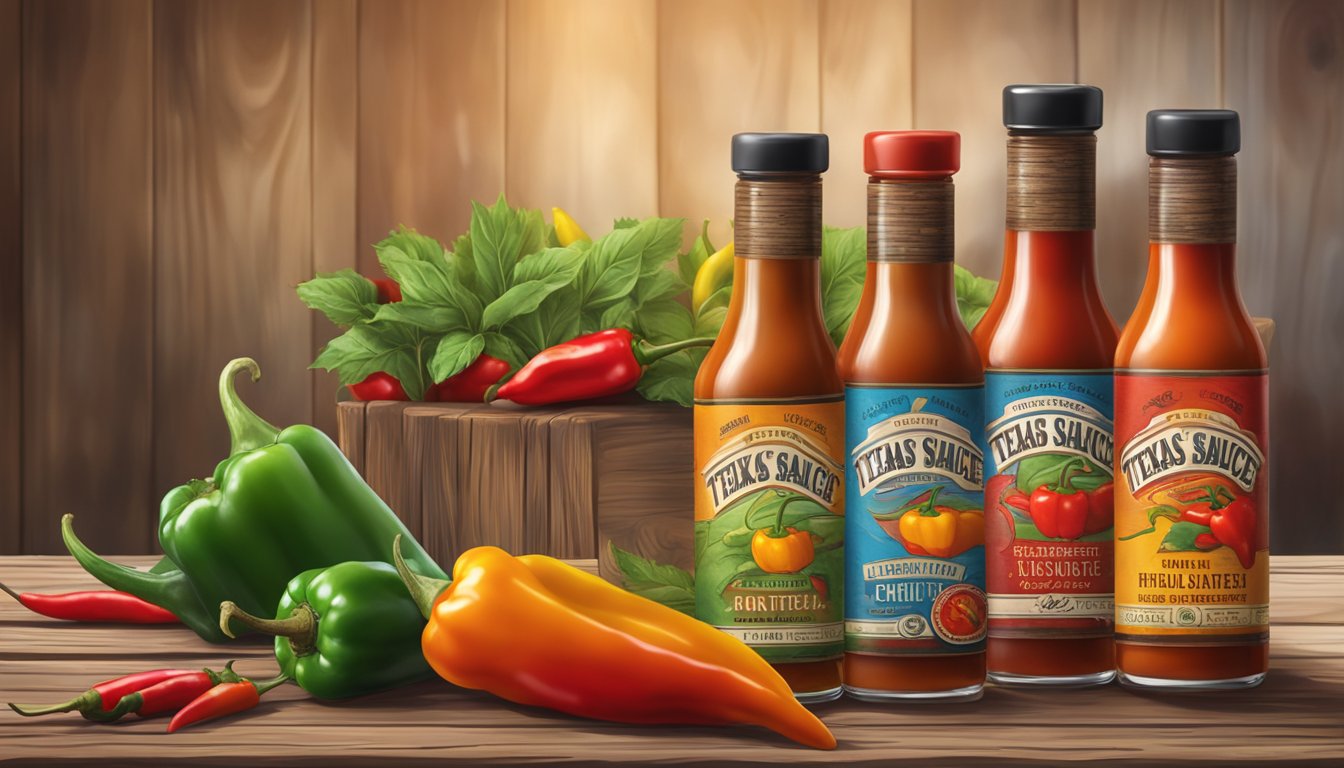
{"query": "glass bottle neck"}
(776, 290)
(1055, 261)
(1189, 272)
(925, 288)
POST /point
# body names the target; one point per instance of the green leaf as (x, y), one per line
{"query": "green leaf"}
(624, 223)
(463, 261)
(455, 352)
(708, 322)
(618, 315)
(666, 584)
(1161, 510)
(973, 295)
(843, 260)
(672, 378)
(664, 240)
(345, 297)
(500, 237)
(395, 348)
(612, 268)
(518, 300)
(658, 284)
(411, 243)
(663, 321)
(1036, 471)
(501, 346)
(556, 267)
(432, 283)
(1181, 537)
(555, 320)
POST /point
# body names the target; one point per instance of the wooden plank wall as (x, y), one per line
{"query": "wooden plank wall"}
(170, 168)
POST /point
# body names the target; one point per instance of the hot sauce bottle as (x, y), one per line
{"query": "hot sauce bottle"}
(1191, 513)
(1049, 441)
(770, 431)
(914, 403)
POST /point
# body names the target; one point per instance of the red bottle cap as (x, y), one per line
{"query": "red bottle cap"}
(912, 154)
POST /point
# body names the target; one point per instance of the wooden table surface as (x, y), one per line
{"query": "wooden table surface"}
(1296, 717)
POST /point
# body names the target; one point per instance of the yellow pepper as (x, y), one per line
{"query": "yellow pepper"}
(538, 632)
(942, 531)
(716, 272)
(567, 230)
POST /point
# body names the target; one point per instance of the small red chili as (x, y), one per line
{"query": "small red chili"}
(94, 605)
(471, 383)
(99, 701)
(594, 365)
(223, 700)
(379, 386)
(388, 289)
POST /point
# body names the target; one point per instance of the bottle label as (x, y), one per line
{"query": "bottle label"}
(769, 525)
(1191, 515)
(1049, 448)
(914, 520)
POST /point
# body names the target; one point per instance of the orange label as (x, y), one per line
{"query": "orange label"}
(1191, 508)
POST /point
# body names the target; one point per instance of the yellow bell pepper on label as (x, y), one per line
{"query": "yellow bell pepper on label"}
(942, 531)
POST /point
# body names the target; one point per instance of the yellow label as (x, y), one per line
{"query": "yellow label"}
(769, 525)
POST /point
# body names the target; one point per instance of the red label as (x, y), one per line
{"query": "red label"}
(1191, 513)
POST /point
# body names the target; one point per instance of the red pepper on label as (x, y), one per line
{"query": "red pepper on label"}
(1060, 511)
(594, 365)
(1100, 509)
(1231, 520)
(94, 606)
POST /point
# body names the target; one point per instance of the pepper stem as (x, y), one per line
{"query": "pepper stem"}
(247, 430)
(779, 517)
(300, 629)
(1066, 473)
(423, 589)
(647, 354)
(86, 701)
(266, 685)
(928, 509)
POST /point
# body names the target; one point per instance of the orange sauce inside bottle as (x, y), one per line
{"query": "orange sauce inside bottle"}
(984, 329)
(1053, 319)
(907, 329)
(774, 344)
(1190, 317)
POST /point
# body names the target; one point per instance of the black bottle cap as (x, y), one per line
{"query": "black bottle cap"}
(1192, 132)
(1052, 108)
(781, 152)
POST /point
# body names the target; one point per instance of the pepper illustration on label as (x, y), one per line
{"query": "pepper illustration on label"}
(915, 526)
(769, 529)
(1192, 536)
(1049, 500)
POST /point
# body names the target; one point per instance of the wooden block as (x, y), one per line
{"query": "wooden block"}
(573, 482)
(385, 464)
(431, 437)
(500, 452)
(350, 431)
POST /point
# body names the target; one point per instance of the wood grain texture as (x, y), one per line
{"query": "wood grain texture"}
(335, 73)
(11, 278)
(582, 114)
(573, 484)
(727, 66)
(1144, 54)
(1284, 72)
(867, 56)
(88, 249)
(232, 220)
(1293, 719)
(350, 431)
(431, 116)
(385, 466)
(433, 435)
(966, 51)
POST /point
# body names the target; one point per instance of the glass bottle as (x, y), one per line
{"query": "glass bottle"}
(914, 401)
(1192, 537)
(1048, 404)
(769, 429)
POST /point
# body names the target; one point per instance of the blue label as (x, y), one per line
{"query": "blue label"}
(914, 520)
(1049, 448)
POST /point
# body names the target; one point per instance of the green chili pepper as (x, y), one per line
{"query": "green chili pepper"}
(343, 631)
(283, 502)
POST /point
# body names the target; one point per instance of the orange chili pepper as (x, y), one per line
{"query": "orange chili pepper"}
(536, 631)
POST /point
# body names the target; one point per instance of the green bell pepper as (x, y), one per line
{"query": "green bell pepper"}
(283, 502)
(343, 631)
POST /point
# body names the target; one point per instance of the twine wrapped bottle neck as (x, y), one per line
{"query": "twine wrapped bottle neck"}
(1052, 182)
(778, 216)
(1192, 199)
(911, 220)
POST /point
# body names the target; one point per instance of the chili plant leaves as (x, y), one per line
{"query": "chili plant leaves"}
(974, 294)
(345, 297)
(1181, 537)
(843, 261)
(661, 583)
(1044, 470)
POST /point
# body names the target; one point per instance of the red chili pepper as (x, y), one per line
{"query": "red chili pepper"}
(103, 698)
(1231, 520)
(379, 386)
(1000, 495)
(94, 605)
(388, 289)
(223, 700)
(1100, 509)
(594, 365)
(1206, 542)
(1060, 512)
(471, 383)
(1200, 514)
